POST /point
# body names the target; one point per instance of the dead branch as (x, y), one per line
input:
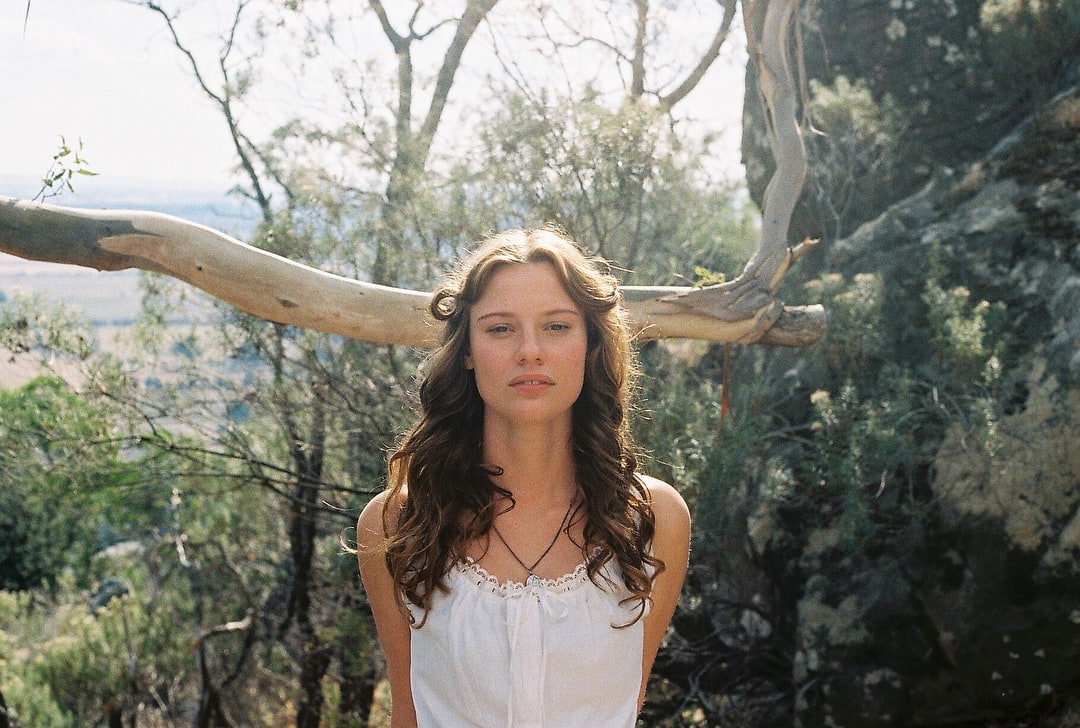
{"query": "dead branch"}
(238, 625)
(283, 291)
(751, 296)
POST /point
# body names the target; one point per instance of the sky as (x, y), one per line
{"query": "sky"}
(105, 73)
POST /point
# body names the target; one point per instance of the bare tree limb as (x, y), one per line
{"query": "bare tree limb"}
(637, 65)
(751, 296)
(705, 62)
(475, 12)
(284, 291)
(223, 100)
(238, 625)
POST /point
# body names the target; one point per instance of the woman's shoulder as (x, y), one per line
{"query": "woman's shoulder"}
(664, 497)
(671, 514)
(374, 526)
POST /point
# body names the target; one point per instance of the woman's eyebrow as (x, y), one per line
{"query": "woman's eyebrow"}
(552, 312)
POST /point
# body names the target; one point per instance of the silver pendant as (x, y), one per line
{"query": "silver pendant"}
(533, 580)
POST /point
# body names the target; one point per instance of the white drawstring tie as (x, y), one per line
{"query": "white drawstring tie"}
(528, 657)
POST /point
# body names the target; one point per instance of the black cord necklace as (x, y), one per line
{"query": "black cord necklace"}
(533, 579)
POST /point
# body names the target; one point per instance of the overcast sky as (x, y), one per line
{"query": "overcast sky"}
(107, 73)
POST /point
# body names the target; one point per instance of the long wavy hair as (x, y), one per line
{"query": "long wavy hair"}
(438, 479)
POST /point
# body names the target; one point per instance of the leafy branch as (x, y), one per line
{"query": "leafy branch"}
(67, 163)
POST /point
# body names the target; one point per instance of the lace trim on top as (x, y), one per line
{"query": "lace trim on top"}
(480, 577)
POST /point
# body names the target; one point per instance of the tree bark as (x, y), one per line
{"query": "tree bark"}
(705, 62)
(4, 719)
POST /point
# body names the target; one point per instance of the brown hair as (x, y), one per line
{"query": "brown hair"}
(448, 493)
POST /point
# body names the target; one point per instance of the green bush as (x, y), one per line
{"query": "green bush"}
(854, 153)
(865, 446)
(856, 340)
(28, 698)
(66, 486)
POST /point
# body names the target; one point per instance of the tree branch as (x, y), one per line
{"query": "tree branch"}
(475, 12)
(286, 292)
(637, 65)
(694, 78)
(223, 100)
(234, 626)
(752, 294)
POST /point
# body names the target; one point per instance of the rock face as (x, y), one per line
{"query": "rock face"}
(974, 615)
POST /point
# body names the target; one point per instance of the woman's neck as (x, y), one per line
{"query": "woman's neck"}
(537, 466)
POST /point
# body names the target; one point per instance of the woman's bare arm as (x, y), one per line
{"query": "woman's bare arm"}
(671, 544)
(392, 626)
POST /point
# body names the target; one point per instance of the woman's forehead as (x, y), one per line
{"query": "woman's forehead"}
(532, 286)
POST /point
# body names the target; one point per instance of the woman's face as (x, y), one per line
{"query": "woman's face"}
(528, 343)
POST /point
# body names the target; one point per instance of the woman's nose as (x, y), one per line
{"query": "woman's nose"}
(529, 348)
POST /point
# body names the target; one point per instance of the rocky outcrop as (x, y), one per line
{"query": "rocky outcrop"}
(961, 74)
(976, 614)
(1007, 227)
(971, 615)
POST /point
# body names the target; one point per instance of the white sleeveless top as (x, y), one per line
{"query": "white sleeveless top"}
(538, 655)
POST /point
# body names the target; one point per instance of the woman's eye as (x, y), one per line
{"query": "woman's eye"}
(559, 326)
(498, 329)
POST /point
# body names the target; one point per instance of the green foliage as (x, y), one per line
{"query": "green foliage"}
(879, 413)
(738, 479)
(67, 164)
(704, 277)
(31, 703)
(86, 663)
(721, 465)
(72, 663)
(969, 342)
(65, 485)
(354, 632)
(863, 446)
(853, 150)
(679, 427)
(28, 696)
(281, 427)
(619, 180)
(856, 337)
(69, 658)
(964, 333)
(29, 324)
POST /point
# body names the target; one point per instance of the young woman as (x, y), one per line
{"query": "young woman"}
(520, 570)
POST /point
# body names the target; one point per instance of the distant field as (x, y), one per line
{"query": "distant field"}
(104, 298)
